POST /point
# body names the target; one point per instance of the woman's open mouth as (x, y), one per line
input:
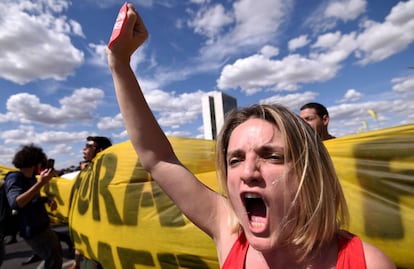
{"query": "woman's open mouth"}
(256, 211)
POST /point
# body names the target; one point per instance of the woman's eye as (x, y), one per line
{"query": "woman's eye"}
(233, 161)
(275, 158)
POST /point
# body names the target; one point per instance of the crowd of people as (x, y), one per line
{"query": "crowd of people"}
(22, 190)
(283, 205)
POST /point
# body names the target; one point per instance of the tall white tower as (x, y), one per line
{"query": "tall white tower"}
(215, 107)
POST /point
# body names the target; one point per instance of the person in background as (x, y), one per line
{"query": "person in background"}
(317, 116)
(94, 145)
(283, 205)
(23, 194)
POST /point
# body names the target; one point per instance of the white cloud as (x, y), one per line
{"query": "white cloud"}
(210, 21)
(298, 42)
(347, 118)
(269, 51)
(59, 149)
(199, 1)
(255, 20)
(26, 107)
(351, 95)
(178, 133)
(170, 107)
(41, 6)
(258, 71)
(402, 13)
(98, 52)
(36, 46)
(108, 123)
(338, 52)
(294, 101)
(76, 28)
(375, 43)
(254, 25)
(6, 155)
(25, 134)
(327, 40)
(346, 9)
(379, 41)
(403, 84)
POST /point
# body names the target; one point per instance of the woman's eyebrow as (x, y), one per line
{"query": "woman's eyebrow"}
(235, 152)
(270, 148)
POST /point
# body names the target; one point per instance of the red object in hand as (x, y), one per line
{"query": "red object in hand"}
(119, 24)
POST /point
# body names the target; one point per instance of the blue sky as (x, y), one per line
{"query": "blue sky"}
(56, 89)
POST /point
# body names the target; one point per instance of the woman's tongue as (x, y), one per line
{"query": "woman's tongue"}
(256, 213)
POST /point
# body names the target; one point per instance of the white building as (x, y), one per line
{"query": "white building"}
(215, 107)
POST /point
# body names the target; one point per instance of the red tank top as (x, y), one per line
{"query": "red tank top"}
(350, 253)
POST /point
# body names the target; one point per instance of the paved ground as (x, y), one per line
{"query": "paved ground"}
(19, 252)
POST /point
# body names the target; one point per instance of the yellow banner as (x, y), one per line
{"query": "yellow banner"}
(376, 170)
(122, 219)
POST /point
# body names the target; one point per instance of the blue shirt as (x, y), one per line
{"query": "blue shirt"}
(33, 217)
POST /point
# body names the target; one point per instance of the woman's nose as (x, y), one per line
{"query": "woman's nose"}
(251, 171)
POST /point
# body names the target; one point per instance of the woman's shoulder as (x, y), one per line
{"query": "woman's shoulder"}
(376, 258)
(355, 251)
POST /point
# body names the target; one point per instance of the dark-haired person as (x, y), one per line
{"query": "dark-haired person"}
(23, 194)
(94, 145)
(317, 116)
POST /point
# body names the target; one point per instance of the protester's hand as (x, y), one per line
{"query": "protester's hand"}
(46, 175)
(131, 37)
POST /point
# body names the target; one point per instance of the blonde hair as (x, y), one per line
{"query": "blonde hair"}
(318, 209)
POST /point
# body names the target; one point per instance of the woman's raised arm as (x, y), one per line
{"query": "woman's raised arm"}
(149, 141)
